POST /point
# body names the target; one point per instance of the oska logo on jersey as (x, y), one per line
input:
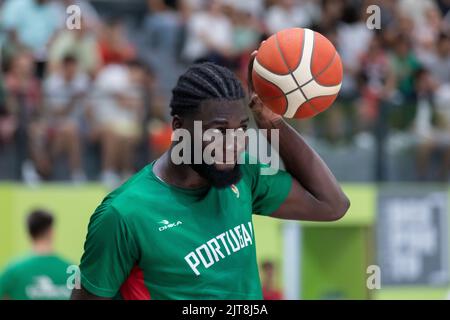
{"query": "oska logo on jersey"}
(168, 225)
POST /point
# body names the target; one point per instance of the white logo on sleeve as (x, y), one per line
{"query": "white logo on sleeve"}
(43, 287)
(168, 225)
(235, 190)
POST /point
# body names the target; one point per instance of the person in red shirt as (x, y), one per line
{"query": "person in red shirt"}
(270, 292)
(113, 46)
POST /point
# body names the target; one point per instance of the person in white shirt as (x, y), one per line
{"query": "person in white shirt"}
(288, 14)
(65, 93)
(209, 33)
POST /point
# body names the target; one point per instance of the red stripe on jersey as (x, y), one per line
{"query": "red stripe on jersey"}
(134, 287)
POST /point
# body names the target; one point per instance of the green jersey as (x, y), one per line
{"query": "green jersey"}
(37, 277)
(148, 239)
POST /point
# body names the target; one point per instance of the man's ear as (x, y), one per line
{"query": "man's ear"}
(177, 122)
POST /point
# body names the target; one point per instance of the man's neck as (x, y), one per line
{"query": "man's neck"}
(42, 247)
(182, 175)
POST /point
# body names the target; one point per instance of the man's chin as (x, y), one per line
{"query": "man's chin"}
(219, 178)
(225, 166)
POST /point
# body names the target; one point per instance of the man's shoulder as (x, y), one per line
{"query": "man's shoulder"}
(250, 166)
(61, 261)
(19, 263)
(139, 190)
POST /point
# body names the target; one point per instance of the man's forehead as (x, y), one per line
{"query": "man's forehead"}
(222, 109)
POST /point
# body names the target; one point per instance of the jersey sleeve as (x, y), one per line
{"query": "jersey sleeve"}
(110, 253)
(269, 188)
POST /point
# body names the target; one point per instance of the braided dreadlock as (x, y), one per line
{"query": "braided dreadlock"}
(201, 82)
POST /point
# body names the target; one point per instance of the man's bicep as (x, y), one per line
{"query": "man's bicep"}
(270, 191)
(300, 204)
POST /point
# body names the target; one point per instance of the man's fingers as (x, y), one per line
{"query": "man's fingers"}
(249, 72)
(255, 102)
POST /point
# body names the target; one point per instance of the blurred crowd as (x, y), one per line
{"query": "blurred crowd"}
(102, 90)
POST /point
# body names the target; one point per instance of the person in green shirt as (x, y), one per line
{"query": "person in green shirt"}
(184, 230)
(41, 275)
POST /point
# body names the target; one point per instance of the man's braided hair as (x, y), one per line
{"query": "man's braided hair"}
(204, 81)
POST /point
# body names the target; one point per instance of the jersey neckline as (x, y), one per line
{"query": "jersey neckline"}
(187, 191)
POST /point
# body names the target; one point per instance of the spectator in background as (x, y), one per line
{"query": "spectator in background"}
(246, 31)
(344, 25)
(416, 9)
(444, 6)
(404, 64)
(437, 60)
(81, 43)
(8, 123)
(24, 104)
(209, 35)
(35, 22)
(65, 93)
(188, 7)
(162, 42)
(432, 127)
(10, 47)
(41, 275)
(331, 14)
(290, 13)
(268, 282)
(113, 46)
(377, 83)
(353, 38)
(115, 121)
(426, 34)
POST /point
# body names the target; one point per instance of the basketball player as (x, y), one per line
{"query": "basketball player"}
(41, 275)
(185, 231)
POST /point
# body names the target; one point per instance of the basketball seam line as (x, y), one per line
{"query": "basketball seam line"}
(262, 64)
(274, 83)
(283, 95)
(290, 71)
(314, 78)
(301, 51)
(287, 66)
(320, 73)
(266, 67)
(285, 62)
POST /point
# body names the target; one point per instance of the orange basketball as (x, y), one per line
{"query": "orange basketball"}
(297, 73)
